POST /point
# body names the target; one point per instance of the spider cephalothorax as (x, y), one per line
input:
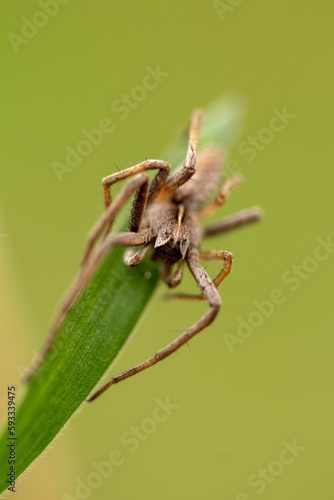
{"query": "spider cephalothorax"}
(172, 239)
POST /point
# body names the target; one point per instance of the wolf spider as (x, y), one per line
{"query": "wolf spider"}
(165, 218)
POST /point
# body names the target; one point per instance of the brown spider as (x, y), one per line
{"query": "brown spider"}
(165, 218)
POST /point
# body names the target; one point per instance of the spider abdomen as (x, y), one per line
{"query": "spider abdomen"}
(204, 182)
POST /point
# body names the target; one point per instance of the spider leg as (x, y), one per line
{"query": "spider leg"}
(188, 168)
(157, 182)
(112, 241)
(237, 220)
(211, 256)
(172, 280)
(156, 185)
(138, 185)
(211, 294)
(132, 258)
(223, 194)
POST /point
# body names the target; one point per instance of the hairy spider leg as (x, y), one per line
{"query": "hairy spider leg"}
(132, 258)
(134, 170)
(139, 203)
(222, 196)
(212, 296)
(139, 185)
(210, 256)
(189, 167)
(239, 219)
(172, 279)
(156, 185)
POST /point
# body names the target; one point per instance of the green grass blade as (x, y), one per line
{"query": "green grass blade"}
(93, 331)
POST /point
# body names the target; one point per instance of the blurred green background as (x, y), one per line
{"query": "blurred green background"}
(241, 395)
